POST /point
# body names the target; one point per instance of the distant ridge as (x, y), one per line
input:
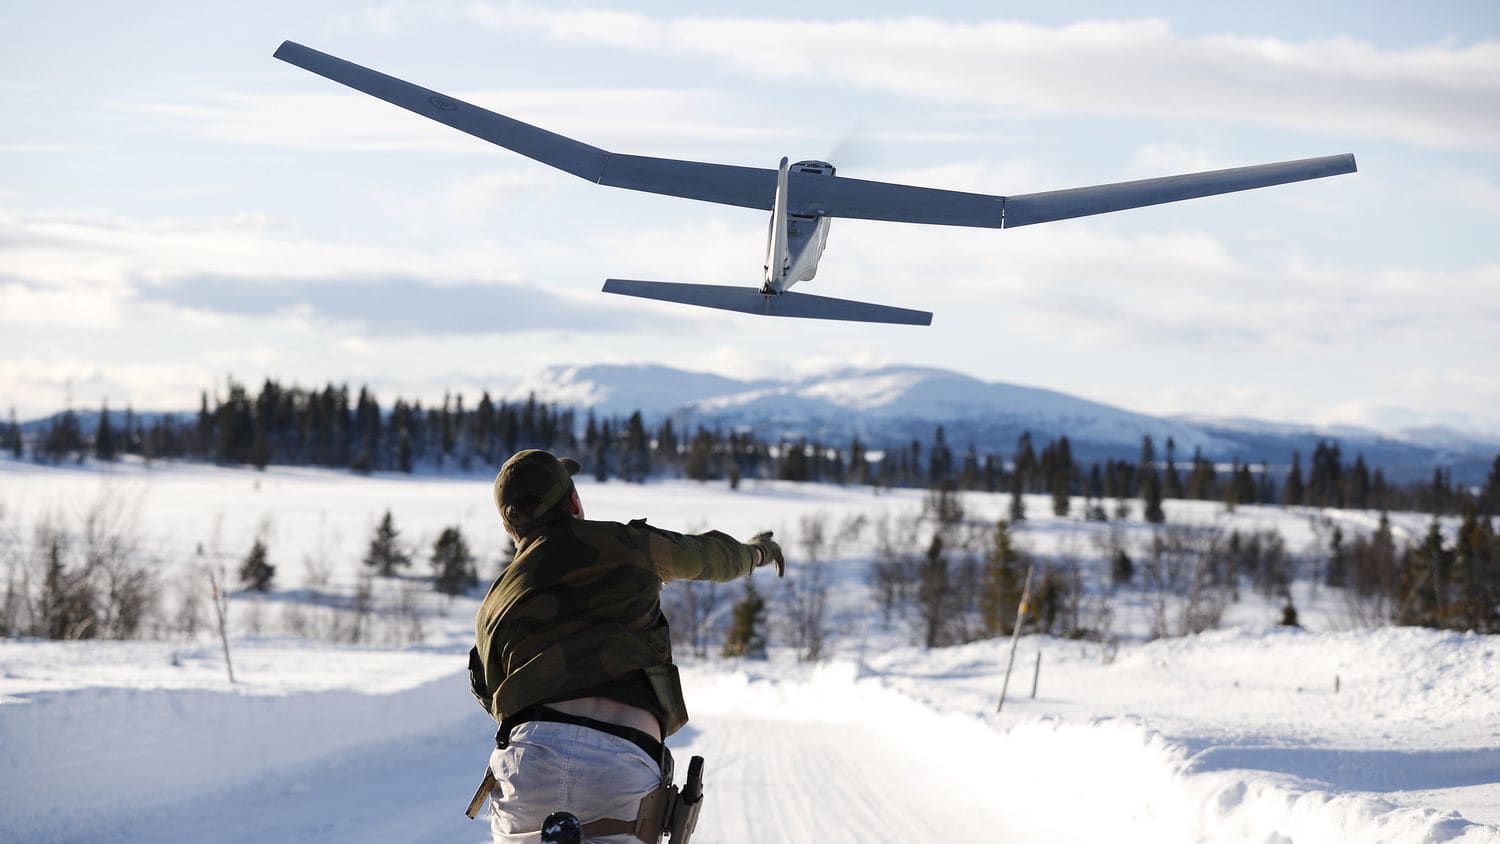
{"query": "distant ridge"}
(892, 405)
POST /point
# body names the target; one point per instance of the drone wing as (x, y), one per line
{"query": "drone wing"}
(865, 200)
(749, 187)
(1025, 209)
(813, 195)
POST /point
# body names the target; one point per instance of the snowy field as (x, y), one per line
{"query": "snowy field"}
(1238, 734)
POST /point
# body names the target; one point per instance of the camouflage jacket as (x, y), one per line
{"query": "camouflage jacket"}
(579, 607)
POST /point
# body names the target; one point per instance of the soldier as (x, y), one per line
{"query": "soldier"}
(573, 657)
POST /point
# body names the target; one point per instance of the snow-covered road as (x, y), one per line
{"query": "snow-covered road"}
(820, 754)
(780, 780)
(768, 779)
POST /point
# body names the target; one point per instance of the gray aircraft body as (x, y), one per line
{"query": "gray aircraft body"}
(802, 197)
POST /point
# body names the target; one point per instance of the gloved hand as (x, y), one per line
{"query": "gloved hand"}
(769, 550)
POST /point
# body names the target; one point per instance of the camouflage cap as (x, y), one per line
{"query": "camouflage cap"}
(534, 481)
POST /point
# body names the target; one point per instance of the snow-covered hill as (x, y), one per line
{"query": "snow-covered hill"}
(1251, 733)
(895, 404)
(892, 406)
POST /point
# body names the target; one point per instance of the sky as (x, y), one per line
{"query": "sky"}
(178, 208)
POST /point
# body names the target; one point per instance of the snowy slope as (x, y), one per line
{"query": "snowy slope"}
(895, 404)
(1236, 735)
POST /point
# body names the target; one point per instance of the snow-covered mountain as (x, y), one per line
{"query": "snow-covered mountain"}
(895, 404)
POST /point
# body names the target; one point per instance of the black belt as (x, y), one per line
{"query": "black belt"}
(640, 738)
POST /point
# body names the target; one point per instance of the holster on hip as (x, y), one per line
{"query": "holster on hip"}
(666, 811)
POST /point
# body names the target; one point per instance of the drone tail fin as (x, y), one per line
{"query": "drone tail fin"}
(752, 300)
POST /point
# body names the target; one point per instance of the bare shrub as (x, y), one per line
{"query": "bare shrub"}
(897, 568)
(692, 606)
(804, 594)
(361, 606)
(188, 613)
(254, 616)
(410, 627)
(1208, 595)
(127, 588)
(14, 605)
(65, 608)
(83, 582)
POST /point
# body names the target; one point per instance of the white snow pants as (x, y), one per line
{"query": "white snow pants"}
(549, 767)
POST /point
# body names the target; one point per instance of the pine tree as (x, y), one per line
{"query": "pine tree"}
(1293, 493)
(1338, 563)
(485, 428)
(1489, 500)
(1148, 462)
(1232, 489)
(933, 594)
(747, 636)
(1477, 573)
(1003, 579)
(1289, 614)
(255, 572)
(65, 437)
(1201, 480)
(1017, 506)
(1060, 483)
(452, 563)
(666, 446)
(699, 466)
(601, 454)
(105, 447)
(386, 554)
(1025, 461)
(14, 445)
(635, 464)
(1151, 499)
(132, 432)
(1172, 484)
(939, 460)
(1424, 580)
(403, 452)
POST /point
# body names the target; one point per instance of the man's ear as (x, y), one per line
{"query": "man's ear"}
(575, 504)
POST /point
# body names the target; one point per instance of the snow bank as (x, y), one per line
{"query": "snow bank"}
(76, 761)
(1100, 778)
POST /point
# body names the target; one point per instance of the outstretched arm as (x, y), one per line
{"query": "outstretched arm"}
(714, 555)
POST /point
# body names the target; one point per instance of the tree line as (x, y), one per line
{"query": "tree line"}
(326, 427)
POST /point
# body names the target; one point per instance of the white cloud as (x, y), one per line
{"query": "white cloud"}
(659, 119)
(1467, 188)
(37, 385)
(1440, 95)
(93, 254)
(45, 147)
(63, 306)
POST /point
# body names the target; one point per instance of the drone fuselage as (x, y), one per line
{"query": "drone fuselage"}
(793, 257)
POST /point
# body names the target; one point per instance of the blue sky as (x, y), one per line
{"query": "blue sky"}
(176, 206)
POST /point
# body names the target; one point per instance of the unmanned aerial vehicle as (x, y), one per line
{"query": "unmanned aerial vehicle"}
(802, 197)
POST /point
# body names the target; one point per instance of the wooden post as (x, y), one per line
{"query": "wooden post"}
(1015, 634)
(1036, 674)
(219, 610)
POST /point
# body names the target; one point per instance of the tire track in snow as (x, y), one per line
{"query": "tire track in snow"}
(781, 780)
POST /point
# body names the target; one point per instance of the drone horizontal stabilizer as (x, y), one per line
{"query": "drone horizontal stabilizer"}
(751, 300)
